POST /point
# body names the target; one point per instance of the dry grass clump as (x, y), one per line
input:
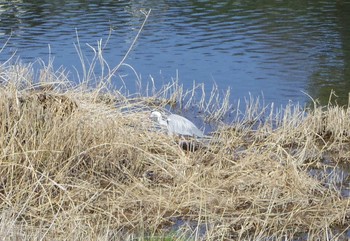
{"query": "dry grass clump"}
(78, 164)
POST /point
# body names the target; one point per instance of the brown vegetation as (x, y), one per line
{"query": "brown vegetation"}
(81, 165)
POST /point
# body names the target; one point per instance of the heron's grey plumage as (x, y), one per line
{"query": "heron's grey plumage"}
(178, 125)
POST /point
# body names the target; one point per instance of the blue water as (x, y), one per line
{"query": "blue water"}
(273, 49)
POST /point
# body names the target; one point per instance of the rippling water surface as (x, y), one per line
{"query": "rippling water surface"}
(278, 49)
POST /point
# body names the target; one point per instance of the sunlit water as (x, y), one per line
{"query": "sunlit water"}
(277, 50)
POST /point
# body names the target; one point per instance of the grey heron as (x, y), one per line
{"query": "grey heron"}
(177, 124)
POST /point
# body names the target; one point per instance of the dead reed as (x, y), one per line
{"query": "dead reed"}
(80, 164)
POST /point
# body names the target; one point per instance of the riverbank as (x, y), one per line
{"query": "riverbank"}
(80, 163)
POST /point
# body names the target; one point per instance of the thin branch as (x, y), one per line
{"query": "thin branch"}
(131, 46)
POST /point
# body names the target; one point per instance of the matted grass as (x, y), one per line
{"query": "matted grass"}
(79, 164)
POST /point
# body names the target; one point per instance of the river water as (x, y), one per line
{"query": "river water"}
(276, 49)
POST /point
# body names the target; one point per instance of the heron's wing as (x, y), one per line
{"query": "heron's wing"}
(180, 125)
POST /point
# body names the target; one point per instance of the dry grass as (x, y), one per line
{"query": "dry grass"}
(86, 165)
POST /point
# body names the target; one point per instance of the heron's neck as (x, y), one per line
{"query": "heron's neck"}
(162, 122)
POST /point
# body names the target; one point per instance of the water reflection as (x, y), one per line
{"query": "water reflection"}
(275, 48)
(333, 71)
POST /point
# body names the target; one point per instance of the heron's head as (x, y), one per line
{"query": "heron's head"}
(156, 114)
